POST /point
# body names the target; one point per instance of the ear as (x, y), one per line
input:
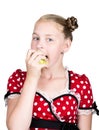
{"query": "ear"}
(67, 45)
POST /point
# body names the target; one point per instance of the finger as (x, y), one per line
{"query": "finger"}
(29, 54)
(37, 54)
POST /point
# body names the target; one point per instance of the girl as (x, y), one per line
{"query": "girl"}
(48, 96)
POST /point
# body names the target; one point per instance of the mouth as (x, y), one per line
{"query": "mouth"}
(46, 57)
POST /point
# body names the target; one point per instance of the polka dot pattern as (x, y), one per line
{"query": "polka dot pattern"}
(65, 106)
(83, 87)
(15, 81)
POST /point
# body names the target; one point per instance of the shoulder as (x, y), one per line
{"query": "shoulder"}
(16, 80)
(17, 75)
(19, 72)
(80, 84)
(78, 78)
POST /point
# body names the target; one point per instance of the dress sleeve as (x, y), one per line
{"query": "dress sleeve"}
(15, 83)
(87, 104)
(86, 94)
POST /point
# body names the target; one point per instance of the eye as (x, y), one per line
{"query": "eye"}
(49, 39)
(35, 38)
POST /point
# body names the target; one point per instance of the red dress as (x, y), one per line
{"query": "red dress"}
(76, 99)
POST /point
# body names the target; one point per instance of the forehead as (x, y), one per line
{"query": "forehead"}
(47, 26)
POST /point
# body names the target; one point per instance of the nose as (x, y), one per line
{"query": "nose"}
(40, 45)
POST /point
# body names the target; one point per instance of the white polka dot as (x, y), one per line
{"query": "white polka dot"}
(73, 121)
(18, 85)
(71, 74)
(67, 102)
(81, 82)
(22, 74)
(64, 108)
(91, 97)
(74, 89)
(78, 86)
(86, 82)
(18, 79)
(72, 81)
(68, 113)
(70, 121)
(23, 78)
(61, 98)
(85, 97)
(70, 117)
(48, 109)
(14, 88)
(39, 109)
(45, 104)
(88, 91)
(76, 77)
(16, 75)
(10, 84)
(74, 102)
(70, 98)
(74, 112)
(35, 103)
(90, 105)
(58, 103)
(88, 101)
(44, 113)
(75, 107)
(84, 105)
(59, 113)
(41, 99)
(49, 118)
(35, 114)
(21, 83)
(13, 80)
(72, 107)
(81, 91)
(84, 87)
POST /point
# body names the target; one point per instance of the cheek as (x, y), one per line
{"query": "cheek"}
(55, 54)
(33, 45)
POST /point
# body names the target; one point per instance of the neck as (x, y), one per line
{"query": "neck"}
(53, 73)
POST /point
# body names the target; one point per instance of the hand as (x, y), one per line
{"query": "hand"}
(33, 63)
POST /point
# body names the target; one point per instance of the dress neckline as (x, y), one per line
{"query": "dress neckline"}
(64, 91)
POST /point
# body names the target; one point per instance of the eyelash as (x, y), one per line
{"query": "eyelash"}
(47, 39)
(36, 38)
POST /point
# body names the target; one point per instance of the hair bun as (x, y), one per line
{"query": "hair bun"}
(71, 23)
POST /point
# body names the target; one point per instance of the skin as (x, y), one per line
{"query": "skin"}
(47, 37)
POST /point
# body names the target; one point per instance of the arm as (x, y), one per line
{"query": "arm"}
(85, 122)
(19, 112)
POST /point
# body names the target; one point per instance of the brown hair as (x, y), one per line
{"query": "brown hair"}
(69, 24)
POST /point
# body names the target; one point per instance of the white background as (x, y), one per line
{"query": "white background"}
(17, 18)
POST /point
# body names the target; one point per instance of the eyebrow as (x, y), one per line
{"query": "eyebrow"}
(34, 33)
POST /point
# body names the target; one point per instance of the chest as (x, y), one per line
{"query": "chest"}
(63, 107)
(52, 87)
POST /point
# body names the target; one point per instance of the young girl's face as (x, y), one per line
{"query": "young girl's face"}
(49, 38)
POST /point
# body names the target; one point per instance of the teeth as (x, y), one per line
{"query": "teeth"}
(43, 61)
